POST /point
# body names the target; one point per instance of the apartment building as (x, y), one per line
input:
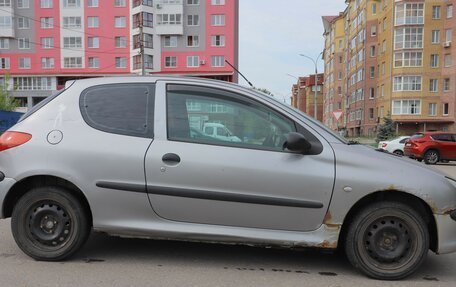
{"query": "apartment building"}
(408, 65)
(303, 95)
(44, 43)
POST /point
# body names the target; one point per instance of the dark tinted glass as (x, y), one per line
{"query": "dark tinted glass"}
(120, 108)
(443, 137)
(417, 136)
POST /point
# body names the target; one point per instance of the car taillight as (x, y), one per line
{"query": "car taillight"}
(384, 145)
(13, 139)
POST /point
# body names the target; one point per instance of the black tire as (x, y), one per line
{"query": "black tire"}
(387, 241)
(431, 156)
(398, 152)
(49, 224)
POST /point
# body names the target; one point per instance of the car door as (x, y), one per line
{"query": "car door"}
(444, 145)
(252, 183)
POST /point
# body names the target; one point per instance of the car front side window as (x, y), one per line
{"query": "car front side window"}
(212, 116)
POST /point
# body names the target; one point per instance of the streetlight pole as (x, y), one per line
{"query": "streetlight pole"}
(315, 61)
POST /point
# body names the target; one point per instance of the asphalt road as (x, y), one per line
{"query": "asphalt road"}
(110, 261)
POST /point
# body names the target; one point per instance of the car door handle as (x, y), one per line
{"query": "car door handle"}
(171, 158)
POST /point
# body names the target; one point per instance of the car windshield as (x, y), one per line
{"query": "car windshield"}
(417, 136)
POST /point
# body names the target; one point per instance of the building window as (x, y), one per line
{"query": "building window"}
(192, 20)
(408, 38)
(447, 60)
(4, 43)
(407, 83)
(218, 2)
(72, 62)
(32, 83)
(371, 113)
(5, 3)
(192, 61)
(435, 12)
(92, 3)
(433, 85)
(24, 63)
(93, 42)
(218, 20)
(23, 23)
(432, 111)
(120, 21)
(72, 42)
(137, 62)
(448, 35)
(24, 43)
(23, 4)
(149, 62)
(169, 19)
(94, 62)
(371, 93)
(446, 84)
(121, 62)
(193, 2)
(408, 59)
(71, 3)
(192, 41)
(4, 63)
(46, 4)
(449, 11)
(149, 3)
(170, 41)
(373, 30)
(407, 107)
(374, 9)
(47, 63)
(93, 22)
(120, 3)
(148, 19)
(218, 41)
(409, 14)
(47, 22)
(170, 62)
(446, 109)
(6, 22)
(372, 51)
(47, 43)
(218, 61)
(435, 37)
(371, 72)
(72, 22)
(121, 42)
(434, 60)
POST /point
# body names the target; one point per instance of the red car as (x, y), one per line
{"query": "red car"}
(431, 147)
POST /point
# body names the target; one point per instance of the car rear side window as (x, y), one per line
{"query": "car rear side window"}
(125, 109)
(443, 137)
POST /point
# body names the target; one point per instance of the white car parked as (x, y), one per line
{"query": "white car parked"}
(395, 146)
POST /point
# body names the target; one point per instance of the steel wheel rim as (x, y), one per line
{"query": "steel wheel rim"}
(388, 243)
(49, 225)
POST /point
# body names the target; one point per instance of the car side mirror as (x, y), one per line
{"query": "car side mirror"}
(297, 143)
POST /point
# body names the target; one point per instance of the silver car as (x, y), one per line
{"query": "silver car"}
(124, 156)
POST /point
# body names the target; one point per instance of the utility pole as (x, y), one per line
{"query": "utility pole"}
(315, 61)
(141, 45)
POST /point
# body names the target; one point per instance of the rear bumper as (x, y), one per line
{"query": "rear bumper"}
(5, 186)
(446, 232)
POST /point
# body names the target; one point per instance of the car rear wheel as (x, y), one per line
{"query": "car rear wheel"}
(49, 224)
(431, 157)
(398, 152)
(387, 241)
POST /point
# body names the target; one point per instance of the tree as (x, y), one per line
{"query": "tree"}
(386, 130)
(7, 102)
(264, 91)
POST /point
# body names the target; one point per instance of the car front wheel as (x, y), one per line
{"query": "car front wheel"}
(49, 224)
(387, 241)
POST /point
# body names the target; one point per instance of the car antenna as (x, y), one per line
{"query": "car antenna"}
(240, 74)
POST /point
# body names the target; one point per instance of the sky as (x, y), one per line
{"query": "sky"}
(273, 33)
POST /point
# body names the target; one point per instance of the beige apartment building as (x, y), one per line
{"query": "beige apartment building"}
(399, 62)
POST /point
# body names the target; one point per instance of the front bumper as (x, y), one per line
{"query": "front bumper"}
(5, 186)
(446, 232)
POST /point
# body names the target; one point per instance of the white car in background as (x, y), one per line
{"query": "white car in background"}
(395, 146)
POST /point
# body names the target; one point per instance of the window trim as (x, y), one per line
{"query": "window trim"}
(150, 110)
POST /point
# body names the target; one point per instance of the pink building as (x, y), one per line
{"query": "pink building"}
(44, 43)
